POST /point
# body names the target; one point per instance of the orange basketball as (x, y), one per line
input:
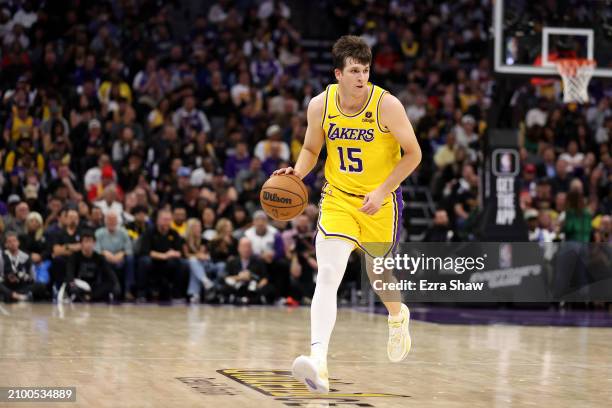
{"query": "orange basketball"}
(283, 197)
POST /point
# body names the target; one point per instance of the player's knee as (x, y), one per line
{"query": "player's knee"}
(329, 275)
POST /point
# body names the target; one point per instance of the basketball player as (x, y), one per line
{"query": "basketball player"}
(363, 128)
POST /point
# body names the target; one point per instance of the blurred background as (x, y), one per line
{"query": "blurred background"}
(137, 135)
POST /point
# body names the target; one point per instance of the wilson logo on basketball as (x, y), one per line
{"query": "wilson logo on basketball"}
(275, 198)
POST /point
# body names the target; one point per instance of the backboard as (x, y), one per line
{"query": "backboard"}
(529, 35)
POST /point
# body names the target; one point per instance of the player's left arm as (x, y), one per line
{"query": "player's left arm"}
(393, 117)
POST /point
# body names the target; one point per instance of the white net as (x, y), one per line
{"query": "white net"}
(576, 74)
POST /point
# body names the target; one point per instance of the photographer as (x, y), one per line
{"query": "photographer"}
(303, 263)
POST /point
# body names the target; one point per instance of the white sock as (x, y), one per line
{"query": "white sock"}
(332, 257)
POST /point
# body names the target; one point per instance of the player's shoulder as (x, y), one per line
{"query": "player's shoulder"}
(388, 100)
(317, 104)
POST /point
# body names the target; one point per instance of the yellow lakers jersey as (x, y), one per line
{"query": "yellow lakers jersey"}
(360, 152)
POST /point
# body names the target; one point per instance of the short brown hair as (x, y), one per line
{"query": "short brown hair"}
(353, 47)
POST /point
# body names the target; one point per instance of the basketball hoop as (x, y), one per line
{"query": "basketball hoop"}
(576, 74)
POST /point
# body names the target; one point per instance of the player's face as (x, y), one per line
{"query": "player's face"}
(354, 77)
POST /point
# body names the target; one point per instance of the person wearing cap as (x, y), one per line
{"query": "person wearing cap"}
(273, 142)
(465, 134)
(20, 122)
(108, 178)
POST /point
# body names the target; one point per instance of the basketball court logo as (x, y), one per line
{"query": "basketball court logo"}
(280, 384)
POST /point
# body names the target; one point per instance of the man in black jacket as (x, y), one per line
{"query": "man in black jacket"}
(247, 277)
(63, 241)
(17, 279)
(162, 247)
(91, 267)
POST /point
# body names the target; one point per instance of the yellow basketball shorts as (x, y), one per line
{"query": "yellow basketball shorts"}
(339, 217)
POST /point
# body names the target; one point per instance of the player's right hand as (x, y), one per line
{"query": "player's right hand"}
(286, 170)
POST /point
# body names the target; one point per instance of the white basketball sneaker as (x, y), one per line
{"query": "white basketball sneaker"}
(312, 372)
(399, 342)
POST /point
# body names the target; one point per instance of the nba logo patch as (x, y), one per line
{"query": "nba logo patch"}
(368, 118)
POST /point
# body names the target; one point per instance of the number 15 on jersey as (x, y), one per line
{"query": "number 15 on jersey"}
(355, 164)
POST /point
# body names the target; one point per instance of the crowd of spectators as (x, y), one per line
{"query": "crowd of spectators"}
(132, 157)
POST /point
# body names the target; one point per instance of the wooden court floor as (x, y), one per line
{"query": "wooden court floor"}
(181, 356)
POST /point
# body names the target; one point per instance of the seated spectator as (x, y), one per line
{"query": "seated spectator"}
(536, 232)
(209, 219)
(238, 161)
(264, 238)
(63, 241)
(224, 245)
(189, 118)
(25, 155)
(20, 122)
(440, 231)
(17, 222)
(139, 225)
(96, 192)
(573, 157)
(200, 268)
(162, 246)
(179, 218)
(264, 149)
(265, 69)
(561, 181)
(111, 201)
(93, 176)
(247, 277)
(17, 278)
(603, 230)
(114, 243)
(85, 265)
(33, 241)
(576, 221)
(548, 166)
(466, 134)
(254, 171)
(445, 154)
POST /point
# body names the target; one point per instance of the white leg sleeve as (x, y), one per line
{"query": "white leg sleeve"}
(332, 257)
